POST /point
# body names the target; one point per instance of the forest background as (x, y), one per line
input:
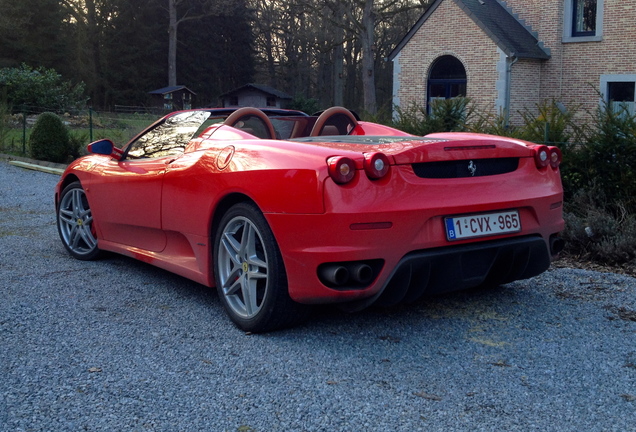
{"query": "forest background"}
(330, 51)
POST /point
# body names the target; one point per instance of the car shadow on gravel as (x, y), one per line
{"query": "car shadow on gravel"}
(425, 313)
(152, 281)
(154, 278)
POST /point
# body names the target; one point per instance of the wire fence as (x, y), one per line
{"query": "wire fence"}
(120, 125)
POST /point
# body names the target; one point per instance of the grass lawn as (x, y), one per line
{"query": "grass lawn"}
(120, 128)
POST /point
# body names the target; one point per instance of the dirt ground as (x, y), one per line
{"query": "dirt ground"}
(568, 261)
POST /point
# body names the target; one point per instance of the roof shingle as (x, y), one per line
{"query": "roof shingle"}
(497, 21)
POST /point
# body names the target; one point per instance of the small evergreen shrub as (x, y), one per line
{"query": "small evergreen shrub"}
(304, 104)
(608, 157)
(493, 125)
(77, 141)
(549, 123)
(451, 115)
(446, 115)
(5, 117)
(410, 119)
(50, 139)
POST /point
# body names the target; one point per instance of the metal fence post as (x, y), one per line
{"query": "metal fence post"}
(24, 124)
(90, 123)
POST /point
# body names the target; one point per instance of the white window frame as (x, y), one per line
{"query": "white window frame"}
(568, 12)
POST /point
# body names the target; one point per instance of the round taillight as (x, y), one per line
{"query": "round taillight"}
(341, 169)
(542, 156)
(555, 157)
(376, 165)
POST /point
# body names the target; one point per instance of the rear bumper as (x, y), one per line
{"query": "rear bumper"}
(414, 258)
(400, 224)
(461, 267)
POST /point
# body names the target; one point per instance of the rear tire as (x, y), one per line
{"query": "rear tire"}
(250, 274)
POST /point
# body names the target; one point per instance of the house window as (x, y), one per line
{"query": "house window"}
(446, 80)
(583, 20)
(233, 100)
(619, 91)
(621, 96)
(271, 101)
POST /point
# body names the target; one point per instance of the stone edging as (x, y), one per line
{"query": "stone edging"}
(44, 166)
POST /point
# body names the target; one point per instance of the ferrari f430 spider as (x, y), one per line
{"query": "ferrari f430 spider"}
(280, 210)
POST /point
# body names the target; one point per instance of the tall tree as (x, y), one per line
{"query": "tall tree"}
(27, 35)
(364, 18)
(338, 54)
(265, 39)
(294, 43)
(367, 39)
(181, 11)
(135, 48)
(330, 50)
(302, 43)
(215, 53)
(89, 19)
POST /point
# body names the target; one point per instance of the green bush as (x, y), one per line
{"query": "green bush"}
(5, 113)
(607, 158)
(598, 230)
(307, 105)
(549, 123)
(50, 139)
(77, 141)
(29, 87)
(446, 115)
(494, 125)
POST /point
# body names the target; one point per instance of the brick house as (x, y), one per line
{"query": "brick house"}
(508, 56)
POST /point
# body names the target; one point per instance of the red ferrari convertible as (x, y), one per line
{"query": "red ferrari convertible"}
(280, 210)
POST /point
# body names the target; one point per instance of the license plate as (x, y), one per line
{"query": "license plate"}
(481, 225)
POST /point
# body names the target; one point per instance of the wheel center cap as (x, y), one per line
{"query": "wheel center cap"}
(79, 222)
(245, 267)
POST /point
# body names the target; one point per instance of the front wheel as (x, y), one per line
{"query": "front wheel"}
(249, 272)
(75, 223)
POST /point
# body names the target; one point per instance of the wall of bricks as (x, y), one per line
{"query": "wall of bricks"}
(436, 38)
(571, 75)
(525, 92)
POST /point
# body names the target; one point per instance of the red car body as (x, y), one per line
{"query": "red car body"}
(445, 212)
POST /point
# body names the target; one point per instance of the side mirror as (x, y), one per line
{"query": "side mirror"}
(105, 147)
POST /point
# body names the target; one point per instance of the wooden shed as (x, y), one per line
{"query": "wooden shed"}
(172, 98)
(255, 95)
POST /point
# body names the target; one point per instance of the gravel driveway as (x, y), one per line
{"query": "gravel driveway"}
(117, 345)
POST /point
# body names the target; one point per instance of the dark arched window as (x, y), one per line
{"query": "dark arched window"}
(446, 80)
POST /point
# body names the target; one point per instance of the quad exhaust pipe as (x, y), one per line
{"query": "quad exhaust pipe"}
(337, 275)
(361, 273)
(349, 274)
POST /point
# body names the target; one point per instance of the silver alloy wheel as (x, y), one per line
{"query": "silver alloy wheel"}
(75, 223)
(243, 267)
